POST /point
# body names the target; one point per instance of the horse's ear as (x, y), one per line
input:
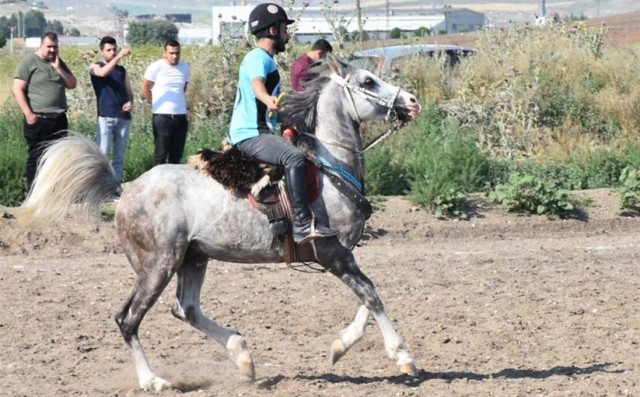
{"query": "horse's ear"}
(336, 65)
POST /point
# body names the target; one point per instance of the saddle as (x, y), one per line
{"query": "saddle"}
(262, 184)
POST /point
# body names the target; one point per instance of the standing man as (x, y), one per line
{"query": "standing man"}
(164, 86)
(300, 67)
(39, 86)
(251, 129)
(114, 98)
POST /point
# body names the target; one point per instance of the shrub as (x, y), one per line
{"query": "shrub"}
(384, 176)
(629, 189)
(442, 163)
(532, 195)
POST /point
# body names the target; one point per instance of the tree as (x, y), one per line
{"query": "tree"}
(422, 31)
(73, 32)
(151, 32)
(5, 26)
(55, 26)
(3, 40)
(396, 33)
(34, 23)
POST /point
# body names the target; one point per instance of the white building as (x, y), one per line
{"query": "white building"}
(312, 24)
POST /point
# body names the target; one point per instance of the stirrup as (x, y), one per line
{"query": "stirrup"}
(314, 234)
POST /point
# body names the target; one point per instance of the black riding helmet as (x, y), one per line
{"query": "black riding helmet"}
(265, 15)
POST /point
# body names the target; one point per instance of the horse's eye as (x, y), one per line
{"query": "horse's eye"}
(369, 82)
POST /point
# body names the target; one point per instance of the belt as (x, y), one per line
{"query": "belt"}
(51, 115)
(170, 116)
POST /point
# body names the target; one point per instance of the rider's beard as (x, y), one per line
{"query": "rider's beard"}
(280, 45)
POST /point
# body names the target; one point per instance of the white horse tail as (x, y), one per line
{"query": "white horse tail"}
(72, 170)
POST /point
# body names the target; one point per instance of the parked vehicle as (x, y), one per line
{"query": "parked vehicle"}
(381, 60)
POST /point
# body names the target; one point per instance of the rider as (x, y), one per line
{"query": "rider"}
(251, 129)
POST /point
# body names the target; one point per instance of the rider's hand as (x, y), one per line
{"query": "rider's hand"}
(272, 104)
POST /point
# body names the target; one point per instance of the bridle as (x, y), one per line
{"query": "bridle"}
(349, 89)
(370, 96)
(366, 94)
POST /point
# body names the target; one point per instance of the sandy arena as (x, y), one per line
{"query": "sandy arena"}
(500, 305)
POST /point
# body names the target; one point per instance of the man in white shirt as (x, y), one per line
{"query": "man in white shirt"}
(164, 86)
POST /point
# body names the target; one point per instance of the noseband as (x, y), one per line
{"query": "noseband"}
(368, 95)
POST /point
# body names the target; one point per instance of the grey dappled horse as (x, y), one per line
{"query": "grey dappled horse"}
(174, 219)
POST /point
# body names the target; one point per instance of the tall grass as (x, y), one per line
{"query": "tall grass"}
(552, 102)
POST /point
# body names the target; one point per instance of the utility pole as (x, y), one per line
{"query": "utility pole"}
(359, 14)
(542, 9)
(11, 41)
(388, 14)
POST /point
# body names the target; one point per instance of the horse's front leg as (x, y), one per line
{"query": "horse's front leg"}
(341, 262)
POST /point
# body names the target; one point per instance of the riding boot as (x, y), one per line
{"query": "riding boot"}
(304, 229)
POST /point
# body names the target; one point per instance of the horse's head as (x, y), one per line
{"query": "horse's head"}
(370, 98)
(362, 94)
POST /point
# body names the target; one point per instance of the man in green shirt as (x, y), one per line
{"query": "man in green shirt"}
(39, 86)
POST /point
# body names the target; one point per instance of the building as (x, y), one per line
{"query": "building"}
(313, 23)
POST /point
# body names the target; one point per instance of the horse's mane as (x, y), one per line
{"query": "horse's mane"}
(299, 108)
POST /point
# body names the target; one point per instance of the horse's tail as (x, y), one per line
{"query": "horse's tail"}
(72, 170)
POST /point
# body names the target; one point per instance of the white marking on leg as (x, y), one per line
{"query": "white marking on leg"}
(394, 345)
(146, 378)
(350, 335)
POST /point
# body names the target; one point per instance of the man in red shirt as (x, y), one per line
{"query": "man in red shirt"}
(300, 67)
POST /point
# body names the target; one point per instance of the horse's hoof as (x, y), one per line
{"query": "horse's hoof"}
(246, 367)
(156, 385)
(408, 369)
(237, 348)
(337, 351)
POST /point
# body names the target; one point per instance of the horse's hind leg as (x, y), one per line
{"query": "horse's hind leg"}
(340, 261)
(350, 335)
(187, 308)
(148, 287)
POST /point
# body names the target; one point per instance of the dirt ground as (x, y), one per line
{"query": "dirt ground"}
(499, 305)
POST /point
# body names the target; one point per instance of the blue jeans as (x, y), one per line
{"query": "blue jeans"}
(113, 131)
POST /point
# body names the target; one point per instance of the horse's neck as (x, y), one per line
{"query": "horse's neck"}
(339, 143)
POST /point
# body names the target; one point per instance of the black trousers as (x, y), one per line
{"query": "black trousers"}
(170, 134)
(38, 135)
(273, 149)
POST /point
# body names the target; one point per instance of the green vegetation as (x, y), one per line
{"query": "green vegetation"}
(31, 23)
(535, 113)
(629, 189)
(531, 194)
(151, 32)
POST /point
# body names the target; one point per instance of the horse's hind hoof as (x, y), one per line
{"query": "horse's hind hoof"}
(237, 348)
(408, 369)
(156, 384)
(337, 351)
(247, 369)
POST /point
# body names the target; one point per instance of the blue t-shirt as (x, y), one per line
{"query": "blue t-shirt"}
(250, 116)
(111, 92)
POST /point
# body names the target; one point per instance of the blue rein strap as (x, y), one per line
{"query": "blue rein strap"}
(344, 174)
(346, 183)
